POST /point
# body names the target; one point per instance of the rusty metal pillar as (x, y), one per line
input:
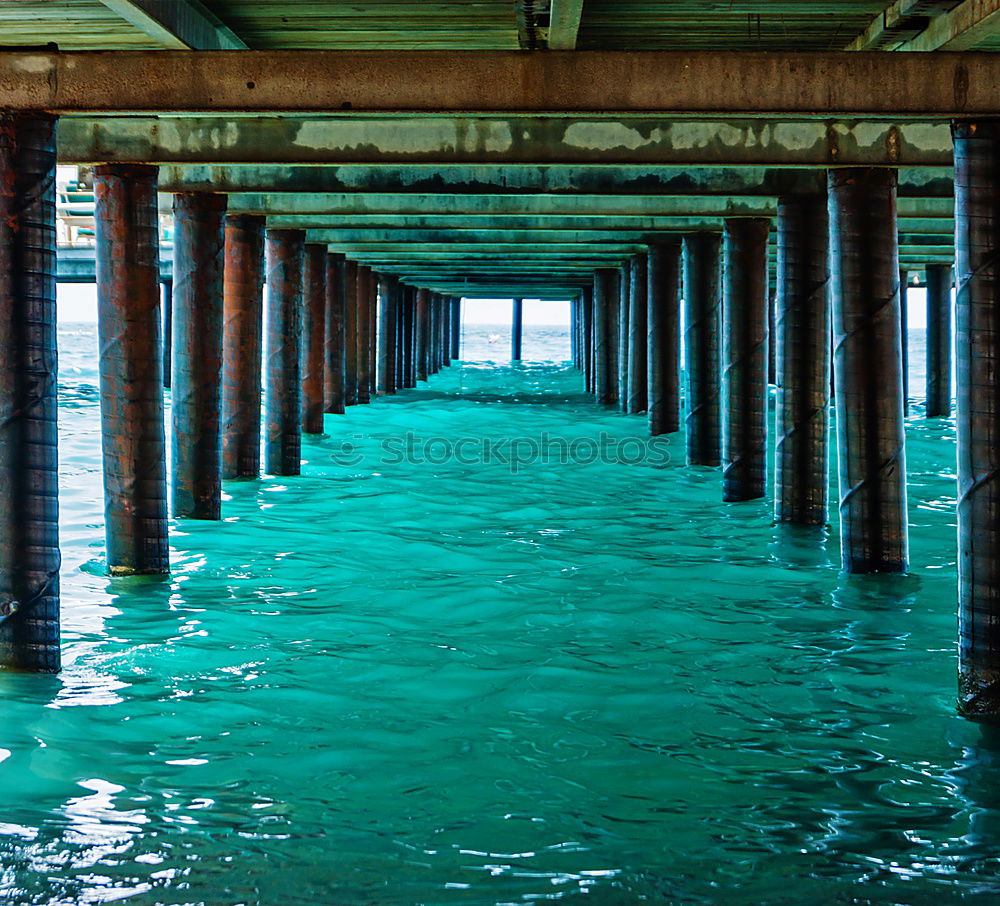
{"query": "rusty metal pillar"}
(243, 312)
(434, 346)
(456, 329)
(605, 308)
(334, 376)
(283, 401)
(517, 324)
(638, 379)
(422, 329)
(977, 363)
(131, 363)
(772, 332)
(904, 342)
(400, 328)
(364, 348)
(409, 304)
(350, 333)
(446, 306)
(168, 329)
(387, 336)
(702, 325)
(373, 306)
(802, 348)
(624, 292)
(313, 337)
(664, 336)
(199, 258)
(864, 268)
(587, 312)
(744, 374)
(29, 502)
(938, 340)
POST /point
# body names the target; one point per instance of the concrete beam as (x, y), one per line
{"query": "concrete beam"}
(564, 24)
(523, 179)
(178, 24)
(356, 139)
(470, 207)
(901, 87)
(965, 27)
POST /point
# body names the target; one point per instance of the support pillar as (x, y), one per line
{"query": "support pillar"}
(243, 313)
(131, 363)
(605, 310)
(335, 313)
(387, 336)
(864, 264)
(409, 338)
(364, 305)
(446, 306)
(977, 363)
(313, 337)
(456, 329)
(624, 294)
(517, 324)
(422, 328)
(199, 256)
(702, 319)
(350, 333)
(904, 342)
(283, 401)
(744, 376)
(663, 336)
(29, 501)
(168, 330)
(587, 309)
(638, 379)
(433, 344)
(802, 351)
(938, 341)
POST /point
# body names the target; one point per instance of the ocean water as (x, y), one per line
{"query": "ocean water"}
(495, 646)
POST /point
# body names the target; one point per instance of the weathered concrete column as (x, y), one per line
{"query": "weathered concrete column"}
(243, 313)
(574, 332)
(802, 348)
(409, 338)
(517, 324)
(434, 344)
(744, 376)
(456, 329)
(313, 337)
(350, 333)
(605, 308)
(29, 502)
(702, 319)
(131, 363)
(373, 305)
(977, 363)
(167, 302)
(624, 307)
(398, 350)
(364, 305)
(446, 307)
(387, 336)
(938, 340)
(638, 379)
(904, 322)
(664, 336)
(587, 312)
(334, 375)
(199, 257)
(283, 400)
(864, 264)
(422, 330)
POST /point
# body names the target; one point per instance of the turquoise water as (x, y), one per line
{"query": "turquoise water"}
(436, 677)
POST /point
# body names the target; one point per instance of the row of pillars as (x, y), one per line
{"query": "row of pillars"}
(838, 318)
(843, 249)
(337, 334)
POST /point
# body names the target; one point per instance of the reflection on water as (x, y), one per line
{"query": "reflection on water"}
(444, 682)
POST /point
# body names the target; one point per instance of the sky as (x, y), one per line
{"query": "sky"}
(78, 302)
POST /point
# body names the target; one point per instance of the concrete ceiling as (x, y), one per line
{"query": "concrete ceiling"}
(465, 189)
